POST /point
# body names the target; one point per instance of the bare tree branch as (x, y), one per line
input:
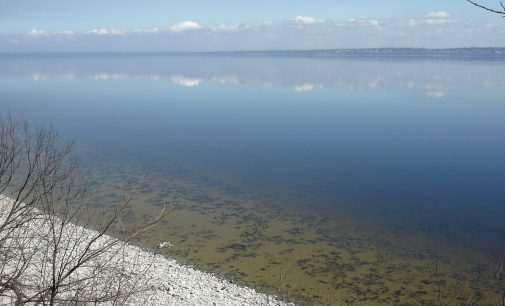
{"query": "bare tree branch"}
(495, 11)
(48, 253)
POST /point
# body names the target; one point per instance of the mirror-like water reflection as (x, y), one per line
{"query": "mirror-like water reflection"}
(334, 181)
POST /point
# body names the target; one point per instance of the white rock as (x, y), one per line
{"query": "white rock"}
(173, 284)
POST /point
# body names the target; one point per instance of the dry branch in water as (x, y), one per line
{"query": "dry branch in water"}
(46, 258)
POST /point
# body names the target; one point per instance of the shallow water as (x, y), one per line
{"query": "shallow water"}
(340, 182)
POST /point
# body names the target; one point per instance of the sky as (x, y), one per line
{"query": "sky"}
(214, 25)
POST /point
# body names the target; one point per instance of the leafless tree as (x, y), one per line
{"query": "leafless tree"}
(54, 249)
(500, 11)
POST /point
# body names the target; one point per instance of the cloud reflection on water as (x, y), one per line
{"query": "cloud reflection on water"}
(433, 79)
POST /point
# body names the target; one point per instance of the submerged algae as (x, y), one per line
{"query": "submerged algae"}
(345, 259)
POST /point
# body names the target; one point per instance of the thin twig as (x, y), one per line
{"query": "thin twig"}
(488, 8)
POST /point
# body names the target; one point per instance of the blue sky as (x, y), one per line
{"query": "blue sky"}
(156, 25)
(23, 15)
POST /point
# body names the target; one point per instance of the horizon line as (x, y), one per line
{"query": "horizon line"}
(258, 50)
(456, 53)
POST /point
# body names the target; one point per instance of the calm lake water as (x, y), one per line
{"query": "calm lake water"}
(339, 182)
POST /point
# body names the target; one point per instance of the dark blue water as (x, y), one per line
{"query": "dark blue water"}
(390, 134)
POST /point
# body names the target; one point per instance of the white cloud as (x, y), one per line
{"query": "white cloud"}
(148, 30)
(37, 33)
(365, 22)
(106, 31)
(186, 26)
(435, 29)
(432, 18)
(227, 28)
(437, 21)
(306, 20)
(184, 81)
(438, 14)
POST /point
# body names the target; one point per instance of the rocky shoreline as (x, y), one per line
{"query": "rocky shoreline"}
(176, 284)
(164, 280)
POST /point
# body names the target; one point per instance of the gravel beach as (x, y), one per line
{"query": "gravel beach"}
(166, 282)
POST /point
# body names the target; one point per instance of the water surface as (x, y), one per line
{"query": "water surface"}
(366, 182)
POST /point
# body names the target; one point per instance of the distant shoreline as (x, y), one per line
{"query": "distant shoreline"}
(470, 53)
